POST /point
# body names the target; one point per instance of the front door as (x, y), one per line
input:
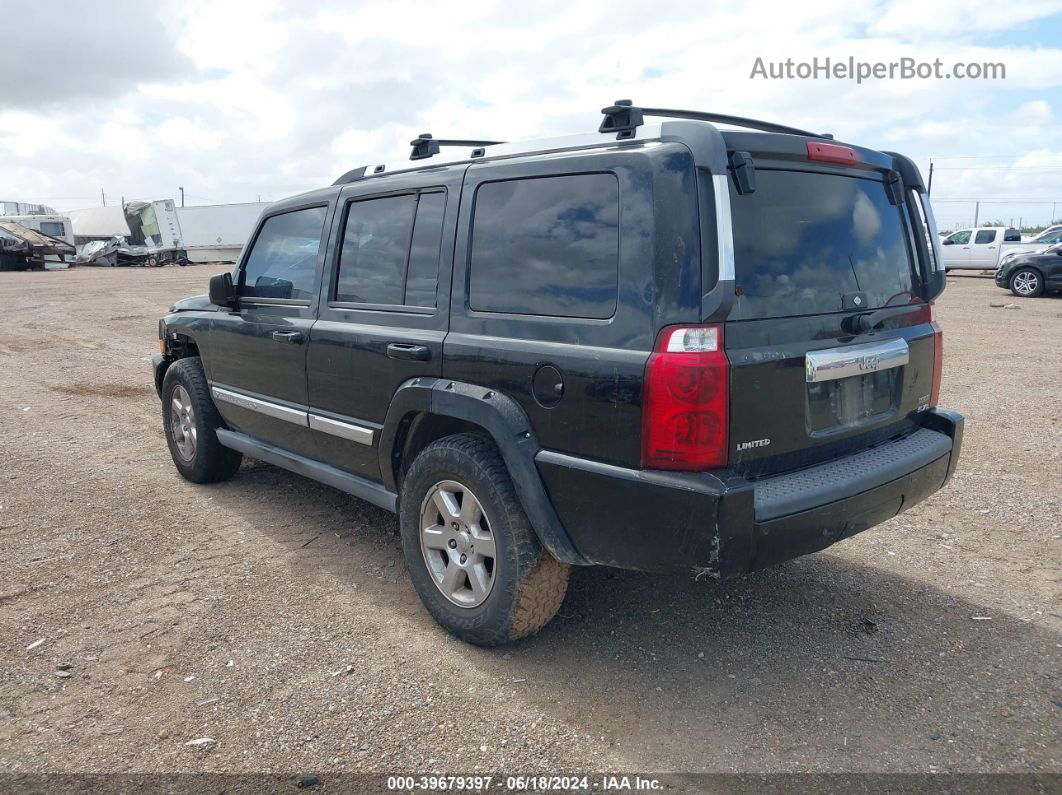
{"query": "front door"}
(956, 249)
(257, 366)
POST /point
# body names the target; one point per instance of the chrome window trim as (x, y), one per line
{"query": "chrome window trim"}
(261, 301)
(834, 363)
(345, 430)
(266, 407)
(358, 306)
(724, 227)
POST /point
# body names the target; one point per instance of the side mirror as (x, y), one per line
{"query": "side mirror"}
(947, 242)
(222, 291)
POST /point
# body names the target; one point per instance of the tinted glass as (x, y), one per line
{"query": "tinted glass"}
(1050, 237)
(53, 228)
(373, 259)
(546, 246)
(422, 278)
(1012, 236)
(283, 261)
(802, 241)
(985, 236)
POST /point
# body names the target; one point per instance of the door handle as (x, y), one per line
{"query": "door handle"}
(296, 337)
(404, 350)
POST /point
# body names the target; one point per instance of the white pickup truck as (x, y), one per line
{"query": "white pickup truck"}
(985, 247)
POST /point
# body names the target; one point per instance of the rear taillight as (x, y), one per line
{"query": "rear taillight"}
(938, 361)
(686, 400)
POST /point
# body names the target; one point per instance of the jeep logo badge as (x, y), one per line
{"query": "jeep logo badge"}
(869, 362)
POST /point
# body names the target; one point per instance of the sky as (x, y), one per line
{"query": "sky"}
(239, 101)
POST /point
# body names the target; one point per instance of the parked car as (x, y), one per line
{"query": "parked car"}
(979, 248)
(1049, 237)
(646, 348)
(1030, 275)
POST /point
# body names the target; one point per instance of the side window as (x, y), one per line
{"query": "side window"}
(283, 261)
(985, 236)
(546, 246)
(53, 228)
(1012, 236)
(1053, 237)
(390, 253)
(960, 238)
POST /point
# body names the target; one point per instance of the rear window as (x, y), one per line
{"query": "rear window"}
(546, 246)
(803, 241)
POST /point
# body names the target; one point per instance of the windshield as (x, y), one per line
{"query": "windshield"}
(803, 240)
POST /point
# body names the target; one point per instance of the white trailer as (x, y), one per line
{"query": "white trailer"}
(217, 232)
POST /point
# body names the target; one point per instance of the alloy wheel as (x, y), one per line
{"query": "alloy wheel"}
(457, 542)
(182, 423)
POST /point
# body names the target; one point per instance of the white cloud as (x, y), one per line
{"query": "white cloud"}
(277, 97)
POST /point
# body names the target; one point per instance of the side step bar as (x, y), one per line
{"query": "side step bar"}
(367, 490)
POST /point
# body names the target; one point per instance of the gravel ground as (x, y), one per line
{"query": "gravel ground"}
(274, 615)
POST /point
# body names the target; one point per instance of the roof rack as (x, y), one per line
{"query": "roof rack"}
(425, 146)
(624, 117)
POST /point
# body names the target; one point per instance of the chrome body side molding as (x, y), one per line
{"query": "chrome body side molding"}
(266, 407)
(345, 430)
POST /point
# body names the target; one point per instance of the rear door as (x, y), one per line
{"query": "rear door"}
(812, 250)
(257, 361)
(984, 248)
(384, 305)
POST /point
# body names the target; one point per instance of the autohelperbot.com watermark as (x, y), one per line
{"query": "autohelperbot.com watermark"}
(850, 68)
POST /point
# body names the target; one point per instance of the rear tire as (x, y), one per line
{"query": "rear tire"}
(1026, 283)
(457, 495)
(190, 420)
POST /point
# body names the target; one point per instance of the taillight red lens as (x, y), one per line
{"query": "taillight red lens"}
(832, 153)
(938, 362)
(686, 400)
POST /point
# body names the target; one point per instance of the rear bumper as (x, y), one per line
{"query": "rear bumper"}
(727, 525)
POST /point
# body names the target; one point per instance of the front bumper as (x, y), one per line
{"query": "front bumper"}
(727, 525)
(159, 365)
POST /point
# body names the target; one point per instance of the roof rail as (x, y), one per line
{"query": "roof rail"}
(425, 146)
(623, 117)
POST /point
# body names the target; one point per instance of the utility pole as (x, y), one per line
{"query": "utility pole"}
(977, 213)
(929, 188)
(1052, 212)
(103, 197)
(182, 196)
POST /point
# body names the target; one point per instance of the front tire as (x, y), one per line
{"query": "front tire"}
(472, 554)
(1026, 283)
(190, 420)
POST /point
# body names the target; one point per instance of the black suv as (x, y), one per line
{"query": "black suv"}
(664, 347)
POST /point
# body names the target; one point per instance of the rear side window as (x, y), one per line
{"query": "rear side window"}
(803, 241)
(985, 236)
(283, 261)
(390, 253)
(546, 246)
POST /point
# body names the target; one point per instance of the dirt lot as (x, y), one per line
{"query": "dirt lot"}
(274, 615)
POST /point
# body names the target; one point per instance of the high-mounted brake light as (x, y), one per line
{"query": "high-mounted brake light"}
(686, 400)
(832, 153)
